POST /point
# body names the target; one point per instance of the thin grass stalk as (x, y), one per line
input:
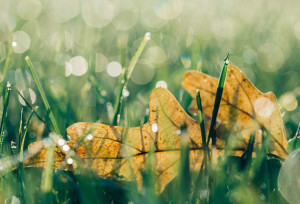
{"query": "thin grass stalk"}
(119, 98)
(125, 76)
(206, 156)
(137, 56)
(47, 180)
(4, 114)
(202, 124)
(23, 136)
(43, 95)
(30, 106)
(149, 178)
(212, 133)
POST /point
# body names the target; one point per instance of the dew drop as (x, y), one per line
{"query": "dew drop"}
(70, 161)
(114, 69)
(125, 93)
(89, 137)
(66, 148)
(154, 127)
(61, 142)
(161, 84)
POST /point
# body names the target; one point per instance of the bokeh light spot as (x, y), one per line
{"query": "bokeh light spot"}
(78, 66)
(64, 10)
(155, 55)
(29, 9)
(97, 13)
(263, 107)
(142, 73)
(21, 41)
(168, 9)
(32, 97)
(288, 101)
(114, 69)
(126, 15)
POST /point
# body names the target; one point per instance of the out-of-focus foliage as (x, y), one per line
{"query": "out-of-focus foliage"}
(80, 47)
(71, 40)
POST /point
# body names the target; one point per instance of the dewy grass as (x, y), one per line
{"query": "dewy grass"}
(43, 95)
(125, 76)
(47, 180)
(212, 133)
(202, 125)
(24, 133)
(4, 114)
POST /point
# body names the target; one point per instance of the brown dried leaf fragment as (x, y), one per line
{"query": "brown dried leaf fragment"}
(243, 109)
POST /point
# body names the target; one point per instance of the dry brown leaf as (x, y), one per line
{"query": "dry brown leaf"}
(121, 152)
(243, 109)
(118, 152)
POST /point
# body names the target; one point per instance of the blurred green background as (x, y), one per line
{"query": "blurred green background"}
(79, 48)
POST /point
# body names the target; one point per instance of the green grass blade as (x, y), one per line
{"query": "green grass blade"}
(23, 136)
(43, 95)
(218, 98)
(125, 76)
(201, 120)
(137, 56)
(47, 179)
(4, 114)
(119, 99)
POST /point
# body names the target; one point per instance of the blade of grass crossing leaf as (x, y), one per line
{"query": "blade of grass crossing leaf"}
(43, 95)
(202, 173)
(149, 178)
(218, 98)
(202, 124)
(246, 157)
(47, 180)
(4, 114)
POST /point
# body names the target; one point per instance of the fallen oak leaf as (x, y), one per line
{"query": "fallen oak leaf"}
(118, 152)
(243, 109)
